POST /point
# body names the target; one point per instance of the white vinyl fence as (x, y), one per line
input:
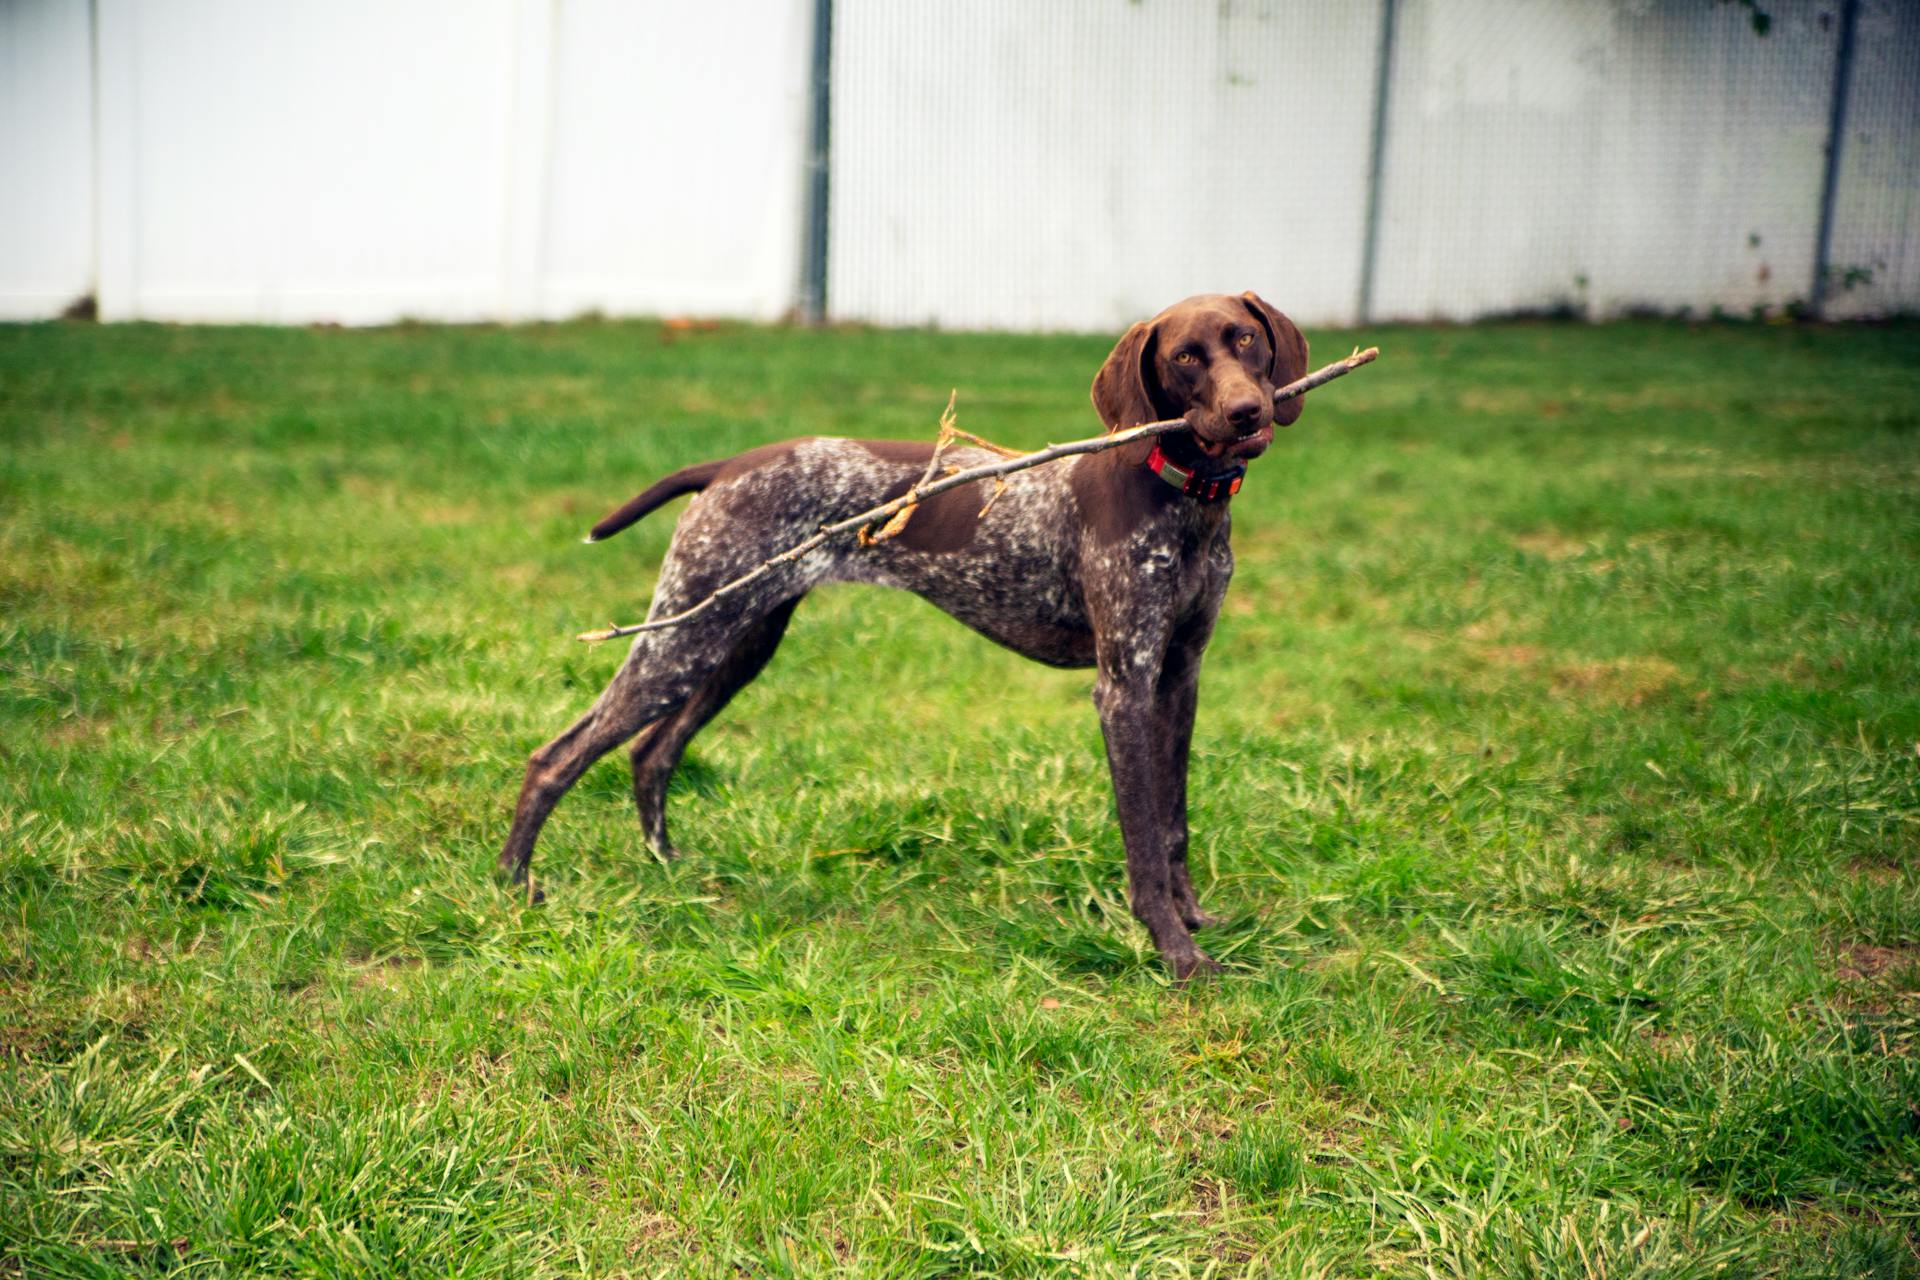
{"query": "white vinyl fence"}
(364, 160)
(1029, 164)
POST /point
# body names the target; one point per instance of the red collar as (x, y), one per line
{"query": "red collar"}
(1209, 489)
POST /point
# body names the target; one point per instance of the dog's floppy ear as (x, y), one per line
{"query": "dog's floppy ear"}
(1121, 390)
(1289, 347)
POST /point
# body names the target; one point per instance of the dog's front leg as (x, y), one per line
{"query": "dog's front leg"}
(1126, 694)
(1179, 695)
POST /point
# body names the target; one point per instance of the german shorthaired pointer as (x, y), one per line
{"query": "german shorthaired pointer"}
(1116, 560)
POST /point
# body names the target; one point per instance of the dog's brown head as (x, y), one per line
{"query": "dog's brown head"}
(1214, 360)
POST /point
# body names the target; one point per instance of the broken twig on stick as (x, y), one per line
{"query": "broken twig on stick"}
(892, 511)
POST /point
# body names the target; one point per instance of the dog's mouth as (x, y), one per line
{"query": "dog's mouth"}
(1251, 445)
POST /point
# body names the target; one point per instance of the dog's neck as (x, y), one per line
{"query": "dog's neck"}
(1118, 495)
(1180, 463)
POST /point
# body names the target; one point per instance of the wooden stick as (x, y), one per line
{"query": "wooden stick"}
(927, 488)
(948, 429)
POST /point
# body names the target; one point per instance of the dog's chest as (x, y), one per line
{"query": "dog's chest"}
(1172, 566)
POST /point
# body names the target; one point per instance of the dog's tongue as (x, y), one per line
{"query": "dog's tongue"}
(1209, 447)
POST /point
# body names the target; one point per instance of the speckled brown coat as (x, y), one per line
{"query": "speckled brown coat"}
(1089, 561)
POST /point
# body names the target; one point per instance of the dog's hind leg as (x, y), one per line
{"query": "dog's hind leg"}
(656, 753)
(662, 672)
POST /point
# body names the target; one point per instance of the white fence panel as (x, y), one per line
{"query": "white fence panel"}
(1714, 153)
(678, 137)
(46, 157)
(1601, 156)
(1874, 262)
(1490, 173)
(291, 162)
(447, 159)
(1079, 164)
(996, 163)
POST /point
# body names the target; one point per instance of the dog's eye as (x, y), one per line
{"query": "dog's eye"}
(1246, 339)
(1183, 357)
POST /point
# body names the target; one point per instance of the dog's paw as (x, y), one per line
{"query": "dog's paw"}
(521, 889)
(1194, 967)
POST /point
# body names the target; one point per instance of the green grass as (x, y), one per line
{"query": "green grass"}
(1556, 769)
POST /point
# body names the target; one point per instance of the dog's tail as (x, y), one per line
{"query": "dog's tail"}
(685, 480)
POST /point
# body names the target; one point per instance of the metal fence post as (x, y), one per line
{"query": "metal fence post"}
(813, 247)
(1376, 159)
(1836, 145)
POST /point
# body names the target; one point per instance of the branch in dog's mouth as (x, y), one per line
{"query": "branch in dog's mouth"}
(987, 471)
(1320, 377)
(1299, 387)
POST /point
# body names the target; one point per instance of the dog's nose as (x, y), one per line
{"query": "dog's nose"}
(1244, 413)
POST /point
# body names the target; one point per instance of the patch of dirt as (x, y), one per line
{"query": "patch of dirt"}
(1627, 681)
(447, 513)
(1659, 397)
(1803, 670)
(151, 950)
(1513, 655)
(1709, 471)
(1491, 627)
(1875, 871)
(1879, 996)
(77, 731)
(1668, 1042)
(653, 1231)
(1551, 544)
(23, 1032)
(384, 973)
(1206, 1200)
(1866, 962)
(562, 394)
(1508, 400)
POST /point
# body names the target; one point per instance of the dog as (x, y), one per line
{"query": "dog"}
(1116, 561)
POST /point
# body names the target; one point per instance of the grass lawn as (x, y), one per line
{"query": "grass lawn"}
(1556, 768)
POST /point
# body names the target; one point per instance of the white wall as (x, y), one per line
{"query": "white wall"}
(284, 162)
(1876, 244)
(46, 157)
(1603, 156)
(996, 163)
(675, 172)
(365, 160)
(1712, 152)
(1081, 163)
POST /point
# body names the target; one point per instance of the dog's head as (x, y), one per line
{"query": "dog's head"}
(1214, 360)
